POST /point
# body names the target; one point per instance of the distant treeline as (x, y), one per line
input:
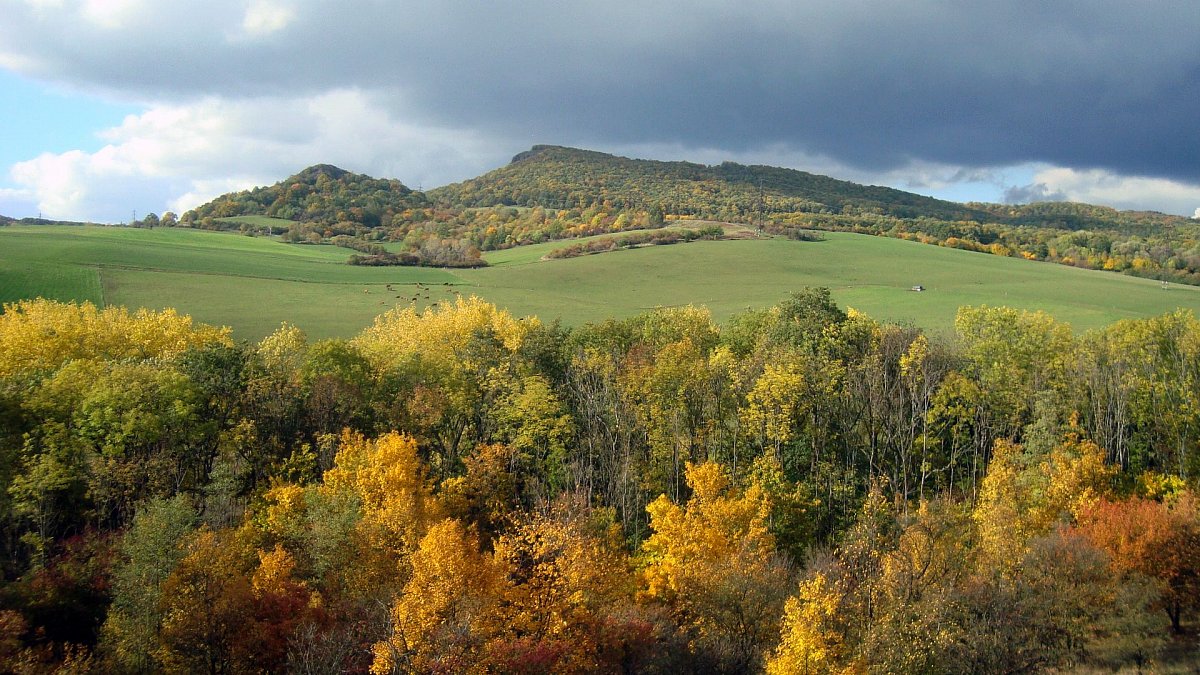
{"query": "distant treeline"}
(637, 238)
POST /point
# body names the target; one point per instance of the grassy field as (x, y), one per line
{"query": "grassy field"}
(872, 274)
(258, 221)
(253, 284)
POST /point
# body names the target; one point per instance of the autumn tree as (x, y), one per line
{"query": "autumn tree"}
(366, 518)
(810, 641)
(37, 336)
(447, 609)
(712, 561)
(456, 359)
(1157, 540)
(1014, 354)
(1024, 495)
(207, 608)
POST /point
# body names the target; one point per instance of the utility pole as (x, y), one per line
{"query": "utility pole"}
(762, 207)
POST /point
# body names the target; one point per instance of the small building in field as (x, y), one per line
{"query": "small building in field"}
(918, 288)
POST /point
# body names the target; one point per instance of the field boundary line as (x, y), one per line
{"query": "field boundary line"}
(130, 268)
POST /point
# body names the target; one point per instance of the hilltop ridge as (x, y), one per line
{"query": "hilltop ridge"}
(548, 174)
(554, 192)
(320, 193)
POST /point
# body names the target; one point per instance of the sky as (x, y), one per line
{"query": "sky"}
(111, 108)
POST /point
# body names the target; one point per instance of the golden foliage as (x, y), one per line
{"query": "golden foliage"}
(39, 335)
(809, 640)
(388, 479)
(1023, 497)
(774, 403)
(283, 350)
(439, 335)
(713, 562)
(449, 599)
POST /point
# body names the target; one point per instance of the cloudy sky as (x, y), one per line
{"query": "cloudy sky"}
(116, 106)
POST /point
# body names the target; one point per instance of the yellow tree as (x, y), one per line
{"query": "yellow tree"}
(1022, 497)
(712, 561)
(537, 424)
(675, 405)
(358, 528)
(810, 641)
(208, 607)
(774, 406)
(448, 608)
(1015, 354)
(458, 359)
(41, 335)
(440, 335)
(387, 479)
(567, 598)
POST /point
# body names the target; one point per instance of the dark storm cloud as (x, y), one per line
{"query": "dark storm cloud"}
(1101, 84)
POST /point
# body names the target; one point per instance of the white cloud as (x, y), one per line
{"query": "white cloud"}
(264, 17)
(204, 190)
(1096, 186)
(178, 156)
(873, 85)
(44, 5)
(1196, 215)
(110, 14)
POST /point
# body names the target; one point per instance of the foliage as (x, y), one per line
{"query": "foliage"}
(635, 239)
(460, 490)
(1157, 540)
(713, 562)
(41, 335)
(320, 193)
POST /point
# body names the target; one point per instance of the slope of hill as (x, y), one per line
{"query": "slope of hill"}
(1146, 244)
(254, 283)
(552, 192)
(320, 193)
(549, 175)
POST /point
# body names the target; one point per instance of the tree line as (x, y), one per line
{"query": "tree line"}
(458, 490)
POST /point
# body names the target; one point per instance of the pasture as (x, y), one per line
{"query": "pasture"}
(254, 284)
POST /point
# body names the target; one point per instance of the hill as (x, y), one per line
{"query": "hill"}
(549, 175)
(320, 193)
(782, 201)
(552, 192)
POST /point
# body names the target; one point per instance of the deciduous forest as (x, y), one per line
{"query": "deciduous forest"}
(801, 489)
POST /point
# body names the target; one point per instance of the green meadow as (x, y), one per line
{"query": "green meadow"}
(257, 221)
(254, 284)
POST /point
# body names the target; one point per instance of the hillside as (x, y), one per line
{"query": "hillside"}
(550, 193)
(783, 201)
(254, 283)
(552, 176)
(320, 193)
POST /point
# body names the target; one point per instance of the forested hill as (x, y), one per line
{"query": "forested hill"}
(1078, 216)
(320, 193)
(786, 201)
(554, 176)
(576, 193)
